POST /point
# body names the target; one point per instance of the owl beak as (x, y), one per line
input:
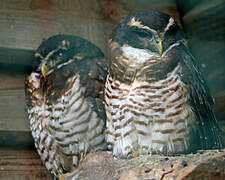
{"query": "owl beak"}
(44, 69)
(159, 45)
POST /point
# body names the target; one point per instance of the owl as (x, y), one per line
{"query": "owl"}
(64, 96)
(156, 99)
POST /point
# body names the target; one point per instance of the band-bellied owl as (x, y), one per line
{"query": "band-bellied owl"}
(64, 95)
(156, 99)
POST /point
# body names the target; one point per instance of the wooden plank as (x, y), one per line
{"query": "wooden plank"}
(114, 10)
(22, 164)
(16, 56)
(169, 6)
(25, 28)
(14, 125)
(63, 5)
(13, 110)
(12, 77)
(18, 139)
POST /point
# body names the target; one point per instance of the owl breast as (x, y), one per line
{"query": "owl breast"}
(148, 117)
(65, 129)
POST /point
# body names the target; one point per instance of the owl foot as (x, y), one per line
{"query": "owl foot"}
(133, 154)
(63, 176)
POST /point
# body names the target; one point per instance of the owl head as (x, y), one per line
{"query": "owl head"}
(61, 57)
(149, 39)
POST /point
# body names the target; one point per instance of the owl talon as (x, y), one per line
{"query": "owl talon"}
(133, 154)
(63, 176)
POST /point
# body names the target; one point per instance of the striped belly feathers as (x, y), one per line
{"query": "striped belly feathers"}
(148, 117)
(66, 130)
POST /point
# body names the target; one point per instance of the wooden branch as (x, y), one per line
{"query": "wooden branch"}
(101, 165)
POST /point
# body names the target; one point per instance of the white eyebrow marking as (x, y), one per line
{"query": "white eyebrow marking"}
(170, 23)
(137, 23)
(172, 46)
(63, 64)
(59, 66)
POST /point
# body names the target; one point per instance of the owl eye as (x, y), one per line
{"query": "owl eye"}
(60, 52)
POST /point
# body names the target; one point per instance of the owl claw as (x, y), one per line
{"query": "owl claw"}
(61, 177)
(133, 154)
(64, 176)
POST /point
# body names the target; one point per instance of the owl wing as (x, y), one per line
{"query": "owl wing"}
(93, 74)
(208, 134)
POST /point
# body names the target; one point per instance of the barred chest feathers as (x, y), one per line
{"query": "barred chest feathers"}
(66, 129)
(148, 117)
